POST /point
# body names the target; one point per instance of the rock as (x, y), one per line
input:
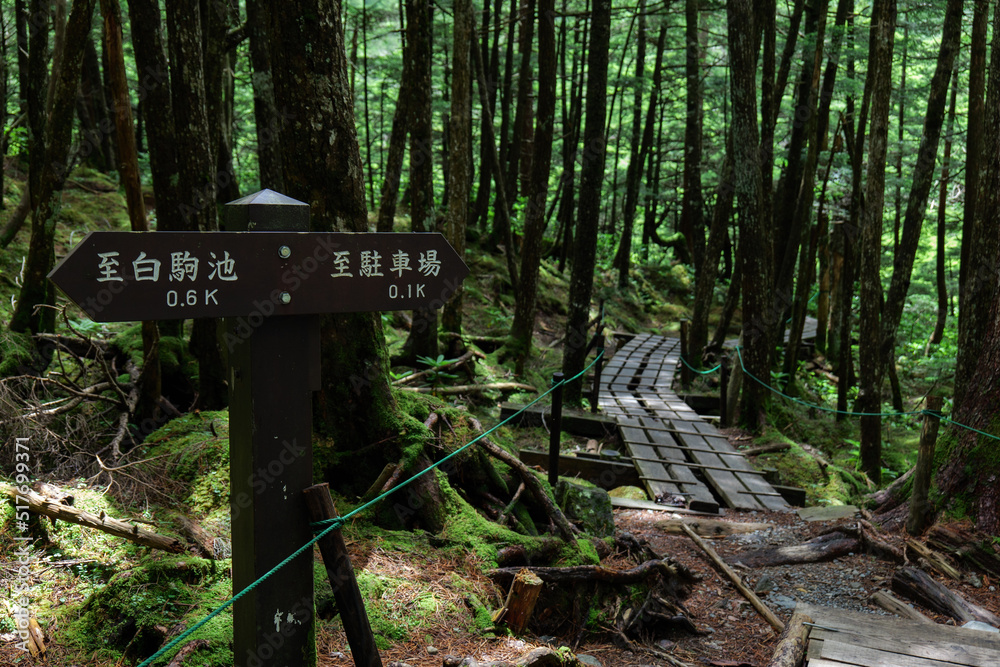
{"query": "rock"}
(337, 655)
(588, 506)
(630, 492)
(764, 585)
(585, 659)
(782, 601)
(665, 644)
(432, 650)
(979, 625)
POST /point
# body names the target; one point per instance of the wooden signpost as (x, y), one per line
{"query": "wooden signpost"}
(271, 278)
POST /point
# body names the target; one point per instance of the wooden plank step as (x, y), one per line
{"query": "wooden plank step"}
(701, 497)
(751, 479)
(948, 652)
(730, 487)
(660, 475)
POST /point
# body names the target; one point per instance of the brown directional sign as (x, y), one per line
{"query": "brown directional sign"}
(130, 276)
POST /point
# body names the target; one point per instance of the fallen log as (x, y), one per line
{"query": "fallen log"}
(711, 527)
(203, 543)
(971, 547)
(595, 573)
(766, 449)
(791, 648)
(891, 496)
(920, 552)
(761, 608)
(918, 586)
(825, 547)
(53, 509)
(539, 657)
(894, 605)
(471, 388)
(186, 651)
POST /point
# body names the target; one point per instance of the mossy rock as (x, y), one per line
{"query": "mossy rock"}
(630, 492)
(125, 620)
(588, 506)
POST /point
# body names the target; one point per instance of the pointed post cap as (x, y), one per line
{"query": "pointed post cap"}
(266, 211)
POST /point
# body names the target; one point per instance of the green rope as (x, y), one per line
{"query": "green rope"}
(326, 526)
(932, 413)
(318, 525)
(813, 405)
(710, 370)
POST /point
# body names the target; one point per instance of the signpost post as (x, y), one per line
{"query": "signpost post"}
(270, 278)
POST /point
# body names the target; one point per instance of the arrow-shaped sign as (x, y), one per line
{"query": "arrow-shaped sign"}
(132, 276)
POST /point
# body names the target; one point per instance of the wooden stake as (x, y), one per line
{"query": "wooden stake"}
(345, 586)
(757, 603)
(920, 510)
(521, 600)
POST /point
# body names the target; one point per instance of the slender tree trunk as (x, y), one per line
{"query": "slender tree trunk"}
(422, 340)
(260, 18)
(490, 57)
(397, 149)
(461, 151)
(882, 36)
(900, 137)
(38, 57)
(96, 134)
(787, 53)
(705, 279)
(497, 233)
(923, 177)
(150, 384)
(517, 153)
(623, 258)
(692, 201)
(974, 273)
(591, 179)
(534, 219)
(37, 290)
(195, 174)
(941, 274)
(755, 243)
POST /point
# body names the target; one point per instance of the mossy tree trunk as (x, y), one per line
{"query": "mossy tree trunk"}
(37, 290)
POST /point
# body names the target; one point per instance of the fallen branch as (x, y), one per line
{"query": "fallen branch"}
(471, 388)
(891, 496)
(894, 605)
(186, 651)
(412, 377)
(711, 527)
(766, 449)
(791, 648)
(761, 608)
(52, 508)
(531, 481)
(595, 573)
(824, 547)
(920, 587)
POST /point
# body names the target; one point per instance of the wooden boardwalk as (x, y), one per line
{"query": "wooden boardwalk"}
(842, 638)
(676, 452)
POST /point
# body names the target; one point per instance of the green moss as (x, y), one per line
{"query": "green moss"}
(17, 351)
(120, 620)
(174, 355)
(583, 554)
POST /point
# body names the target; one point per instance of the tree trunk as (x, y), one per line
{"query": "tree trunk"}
(260, 18)
(34, 95)
(707, 275)
(309, 64)
(422, 340)
(940, 269)
(979, 259)
(883, 31)
(96, 132)
(389, 193)
(591, 179)
(692, 202)
(460, 134)
(519, 154)
(128, 169)
(36, 289)
(923, 176)
(755, 242)
(534, 219)
(623, 258)
(195, 174)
